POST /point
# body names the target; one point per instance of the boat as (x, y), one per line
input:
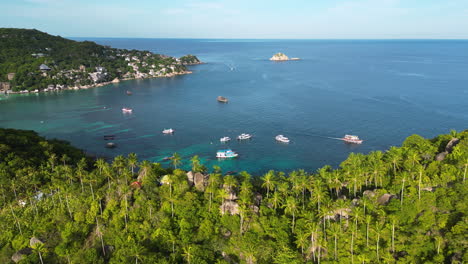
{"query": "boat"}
(111, 145)
(129, 93)
(225, 139)
(167, 158)
(244, 136)
(168, 131)
(127, 110)
(222, 99)
(109, 137)
(282, 138)
(226, 153)
(352, 139)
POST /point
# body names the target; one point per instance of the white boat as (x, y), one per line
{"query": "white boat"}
(226, 153)
(282, 138)
(352, 139)
(244, 136)
(225, 139)
(126, 110)
(168, 131)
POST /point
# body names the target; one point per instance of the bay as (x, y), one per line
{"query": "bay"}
(381, 90)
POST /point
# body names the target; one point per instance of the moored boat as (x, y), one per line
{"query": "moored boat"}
(282, 138)
(226, 153)
(168, 131)
(111, 145)
(244, 136)
(127, 110)
(352, 139)
(129, 93)
(225, 139)
(222, 99)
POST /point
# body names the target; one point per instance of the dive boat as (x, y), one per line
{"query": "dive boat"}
(244, 136)
(126, 110)
(226, 153)
(225, 139)
(282, 138)
(352, 139)
(168, 131)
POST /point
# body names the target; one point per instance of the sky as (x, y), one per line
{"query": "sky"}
(247, 19)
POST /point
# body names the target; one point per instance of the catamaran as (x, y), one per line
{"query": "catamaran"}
(226, 153)
(282, 138)
(352, 139)
(168, 131)
(244, 136)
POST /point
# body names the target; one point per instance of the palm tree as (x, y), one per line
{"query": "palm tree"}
(188, 254)
(301, 241)
(269, 181)
(136, 251)
(195, 163)
(38, 246)
(378, 231)
(145, 169)
(368, 221)
(176, 160)
(291, 208)
(132, 160)
(335, 230)
(276, 200)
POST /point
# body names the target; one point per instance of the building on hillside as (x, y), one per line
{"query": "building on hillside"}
(44, 67)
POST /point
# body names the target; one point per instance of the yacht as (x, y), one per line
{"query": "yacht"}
(225, 139)
(352, 139)
(168, 131)
(282, 138)
(226, 153)
(244, 136)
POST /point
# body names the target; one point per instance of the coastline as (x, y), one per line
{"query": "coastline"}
(116, 80)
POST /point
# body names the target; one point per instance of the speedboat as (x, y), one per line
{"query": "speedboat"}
(226, 153)
(244, 136)
(168, 131)
(127, 110)
(282, 138)
(225, 139)
(352, 139)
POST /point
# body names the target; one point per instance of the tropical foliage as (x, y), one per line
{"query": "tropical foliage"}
(398, 206)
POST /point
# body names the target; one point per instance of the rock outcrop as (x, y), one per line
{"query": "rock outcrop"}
(386, 198)
(448, 149)
(279, 57)
(21, 254)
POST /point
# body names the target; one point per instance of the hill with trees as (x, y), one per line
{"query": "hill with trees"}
(33, 60)
(405, 205)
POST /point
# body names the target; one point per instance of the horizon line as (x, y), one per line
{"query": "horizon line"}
(191, 38)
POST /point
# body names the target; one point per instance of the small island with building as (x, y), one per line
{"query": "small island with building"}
(282, 57)
(34, 61)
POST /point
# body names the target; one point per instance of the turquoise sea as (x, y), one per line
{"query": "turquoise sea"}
(381, 90)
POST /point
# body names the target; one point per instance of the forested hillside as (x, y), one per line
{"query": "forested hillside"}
(405, 205)
(74, 63)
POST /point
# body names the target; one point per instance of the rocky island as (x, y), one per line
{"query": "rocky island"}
(34, 61)
(281, 57)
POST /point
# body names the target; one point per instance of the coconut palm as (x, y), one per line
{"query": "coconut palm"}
(132, 160)
(176, 160)
(269, 181)
(291, 208)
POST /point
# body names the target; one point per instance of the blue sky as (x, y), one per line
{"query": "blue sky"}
(302, 19)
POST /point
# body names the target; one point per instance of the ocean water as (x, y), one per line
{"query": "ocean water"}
(383, 91)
